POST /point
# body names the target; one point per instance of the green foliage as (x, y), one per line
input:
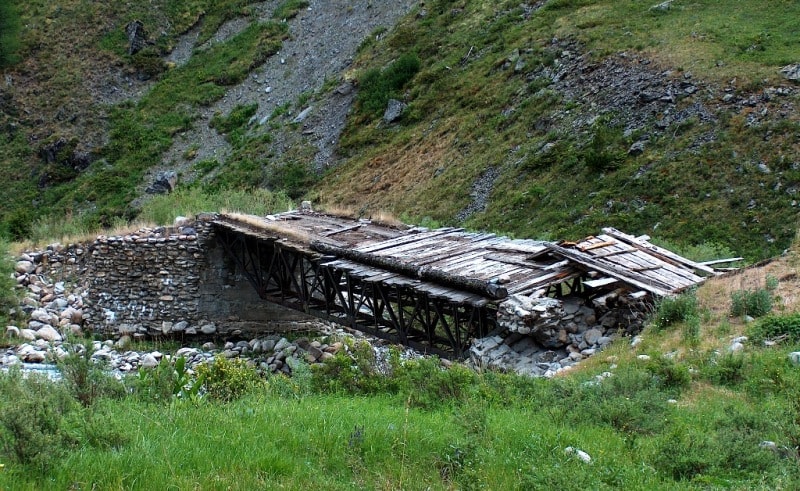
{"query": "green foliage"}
(33, 419)
(774, 326)
(351, 371)
(376, 87)
(673, 310)
(235, 123)
(9, 33)
(604, 151)
(9, 297)
(166, 381)
(228, 379)
(163, 209)
(429, 385)
(755, 303)
(294, 178)
(288, 9)
(88, 379)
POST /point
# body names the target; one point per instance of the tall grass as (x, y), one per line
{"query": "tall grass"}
(426, 427)
(163, 209)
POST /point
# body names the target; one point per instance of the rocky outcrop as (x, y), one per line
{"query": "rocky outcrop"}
(542, 336)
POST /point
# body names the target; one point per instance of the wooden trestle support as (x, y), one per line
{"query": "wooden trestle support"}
(398, 309)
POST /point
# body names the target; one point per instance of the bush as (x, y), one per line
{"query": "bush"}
(376, 87)
(166, 381)
(87, 379)
(33, 418)
(755, 303)
(774, 326)
(353, 371)
(228, 379)
(672, 310)
(429, 385)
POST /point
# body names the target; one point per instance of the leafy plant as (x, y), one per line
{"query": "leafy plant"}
(672, 310)
(86, 378)
(755, 303)
(166, 381)
(775, 326)
(288, 9)
(9, 33)
(376, 87)
(33, 418)
(228, 379)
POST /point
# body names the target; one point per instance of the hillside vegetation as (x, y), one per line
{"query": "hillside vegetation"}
(547, 119)
(536, 106)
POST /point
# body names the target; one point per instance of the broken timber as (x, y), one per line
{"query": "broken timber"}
(434, 290)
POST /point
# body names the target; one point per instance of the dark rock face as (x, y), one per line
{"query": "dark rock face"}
(165, 183)
(137, 36)
(63, 161)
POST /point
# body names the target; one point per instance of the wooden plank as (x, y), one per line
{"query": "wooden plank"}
(346, 229)
(600, 282)
(597, 245)
(640, 260)
(722, 261)
(457, 263)
(635, 279)
(403, 239)
(512, 259)
(669, 255)
(639, 294)
(415, 247)
(540, 281)
(526, 249)
(614, 253)
(558, 265)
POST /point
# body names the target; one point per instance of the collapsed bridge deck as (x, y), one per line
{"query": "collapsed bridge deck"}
(434, 290)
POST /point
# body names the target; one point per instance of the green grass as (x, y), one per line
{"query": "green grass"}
(475, 431)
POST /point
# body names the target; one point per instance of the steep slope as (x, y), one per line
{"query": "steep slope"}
(543, 118)
(554, 118)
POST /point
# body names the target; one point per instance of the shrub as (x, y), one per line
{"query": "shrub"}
(429, 385)
(774, 326)
(166, 381)
(672, 310)
(86, 378)
(33, 423)
(288, 9)
(352, 372)
(755, 303)
(376, 87)
(228, 379)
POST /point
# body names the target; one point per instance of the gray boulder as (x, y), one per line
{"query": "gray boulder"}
(394, 109)
(791, 72)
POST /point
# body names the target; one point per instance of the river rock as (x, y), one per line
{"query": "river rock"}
(149, 361)
(27, 334)
(24, 267)
(48, 333)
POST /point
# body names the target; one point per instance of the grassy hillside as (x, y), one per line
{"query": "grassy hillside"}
(485, 104)
(520, 117)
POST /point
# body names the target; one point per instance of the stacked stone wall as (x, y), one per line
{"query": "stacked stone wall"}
(146, 283)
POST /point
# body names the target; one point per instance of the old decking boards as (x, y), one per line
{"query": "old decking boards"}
(441, 262)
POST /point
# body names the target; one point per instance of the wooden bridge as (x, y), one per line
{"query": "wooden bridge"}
(433, 290)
